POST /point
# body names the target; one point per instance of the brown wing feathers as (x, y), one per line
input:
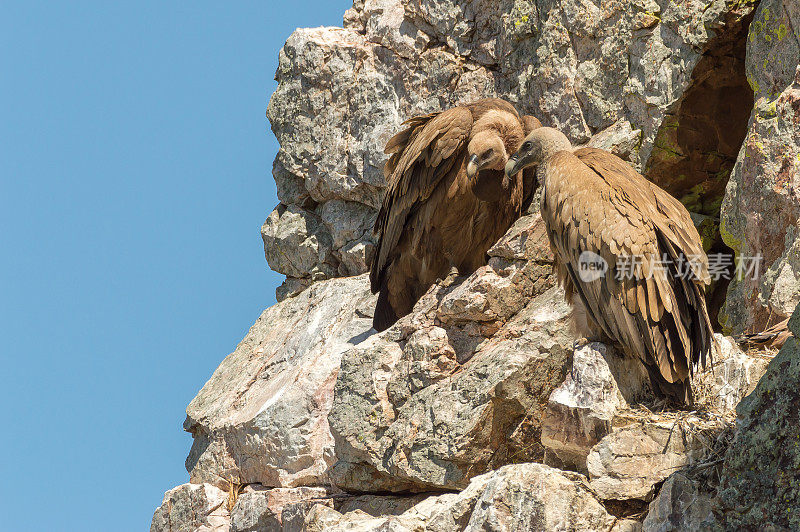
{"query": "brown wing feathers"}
(421, 156)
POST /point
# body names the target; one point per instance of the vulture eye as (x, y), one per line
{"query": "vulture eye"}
(488, 153)
(527, 146)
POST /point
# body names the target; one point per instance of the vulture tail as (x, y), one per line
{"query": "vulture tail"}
(385, 315)
(678, 393)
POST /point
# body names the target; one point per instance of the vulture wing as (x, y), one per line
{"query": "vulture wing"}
(421, 155)
(595, 202)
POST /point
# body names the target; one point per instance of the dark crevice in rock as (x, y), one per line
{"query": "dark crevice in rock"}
(627, 509)
(699, 140)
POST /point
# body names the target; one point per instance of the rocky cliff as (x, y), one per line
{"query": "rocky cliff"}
(474, 412)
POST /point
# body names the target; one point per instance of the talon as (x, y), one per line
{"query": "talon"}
(580, 343)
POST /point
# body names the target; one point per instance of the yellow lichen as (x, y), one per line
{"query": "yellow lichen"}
(730, 240)
(753, 84)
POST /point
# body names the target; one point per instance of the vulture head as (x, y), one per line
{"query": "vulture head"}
(537, 147)
(487, 155)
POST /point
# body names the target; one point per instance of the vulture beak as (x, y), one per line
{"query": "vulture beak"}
(514, 165)
(472, 166)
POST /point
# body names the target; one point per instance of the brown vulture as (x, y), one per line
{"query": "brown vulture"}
(649, 296)
(448, 199)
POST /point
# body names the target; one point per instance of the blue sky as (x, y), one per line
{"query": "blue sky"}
(136, 164)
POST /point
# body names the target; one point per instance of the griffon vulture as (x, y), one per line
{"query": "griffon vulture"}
(650, 300)
(448, 199)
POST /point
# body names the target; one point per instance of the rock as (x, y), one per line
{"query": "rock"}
(364, 512)
(291, 287)
(523, 497)
(631, 461)
(424, 407)
(734, 374)
(619, 138)
(297, 244)
(260, 509)
(192, 507)
(526, 240)
(515, 497)
(262, 417)
(760, 484)
(761, 213)
(682, 504)
(458, 386)
(320, 518)
(389, 25)
(627, 525)
(580, 412)
(378, 505)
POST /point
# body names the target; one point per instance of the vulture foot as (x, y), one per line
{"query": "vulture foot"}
(580, 343)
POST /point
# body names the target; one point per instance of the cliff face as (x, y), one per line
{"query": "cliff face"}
(469, 410)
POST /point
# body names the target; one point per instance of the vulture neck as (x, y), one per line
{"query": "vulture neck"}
(551, 143)
(554, 143)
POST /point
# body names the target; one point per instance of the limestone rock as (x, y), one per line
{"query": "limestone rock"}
(580, 412)
(514, 497)
(260, 509)
(458, 386)
(262, 417)
(761, 213)
(421, 406)
(632, 460)
(192, 507)
(297, 244)
(734, 374)
(760, 484)
(619, 138)
(682, 504)
(525, 240)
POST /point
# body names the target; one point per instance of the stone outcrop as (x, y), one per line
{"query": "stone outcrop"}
(196, 507)
(761, 212)
(257, 509)
(682, 504)
(473, 412)
(514, 497)
(581, 411)
(630, 462)
(262, 417)
(761, 475)
(429, 415)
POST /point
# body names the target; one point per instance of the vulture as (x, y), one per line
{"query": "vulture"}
(448, 199)
(647, 294)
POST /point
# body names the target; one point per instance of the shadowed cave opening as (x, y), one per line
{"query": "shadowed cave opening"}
(697, 144)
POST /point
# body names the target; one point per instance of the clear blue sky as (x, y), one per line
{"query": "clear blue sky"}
(136, 172)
